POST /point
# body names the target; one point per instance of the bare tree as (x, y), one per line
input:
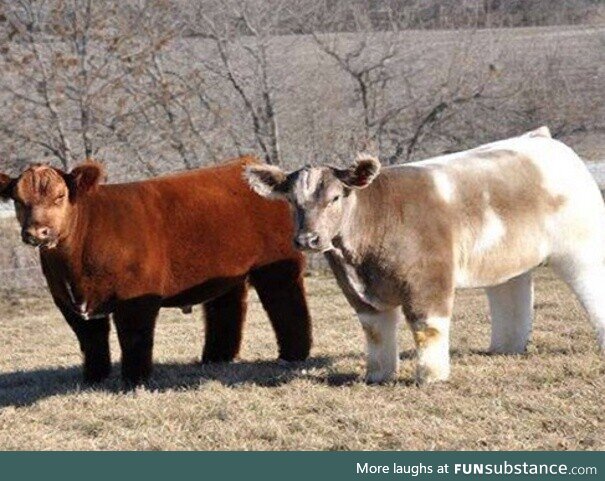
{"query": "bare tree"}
(242, 35)
(70, 70)
(400, 104)
(150, 86)
(39, 94)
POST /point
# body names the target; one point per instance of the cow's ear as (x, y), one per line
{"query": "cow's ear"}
(85, 178)
(267, 180)
(6, 186)
(361, 173)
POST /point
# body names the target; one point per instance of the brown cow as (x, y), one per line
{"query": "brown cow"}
(129, 249)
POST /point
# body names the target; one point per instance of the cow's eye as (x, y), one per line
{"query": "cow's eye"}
(59, 199)
(335, 198)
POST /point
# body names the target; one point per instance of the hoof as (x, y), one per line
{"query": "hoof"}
(511, 350)
(133, 383)
(379, 377)
(299, 357)
(428, 375)
(217, 359)
(96, 376)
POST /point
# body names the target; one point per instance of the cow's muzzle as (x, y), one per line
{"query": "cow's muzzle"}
(307, 241)
(41, 238)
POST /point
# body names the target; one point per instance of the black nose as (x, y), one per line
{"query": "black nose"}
(307, 240)
(28, 238)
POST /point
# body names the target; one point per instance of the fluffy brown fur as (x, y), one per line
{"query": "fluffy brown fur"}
(129, 249)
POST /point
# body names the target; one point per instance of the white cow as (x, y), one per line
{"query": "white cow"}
(401, 242)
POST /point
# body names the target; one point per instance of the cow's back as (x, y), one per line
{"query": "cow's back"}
(171, 234)
(508, 206)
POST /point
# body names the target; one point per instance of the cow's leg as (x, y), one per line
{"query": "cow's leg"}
(428, 310)
(380, 329)
(587, 280)
(224, 320)
(431, 335)
(511, 306)
(135, 324)
(281, 291)
(93, 337)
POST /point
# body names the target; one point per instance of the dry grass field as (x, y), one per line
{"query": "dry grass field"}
(551, 398)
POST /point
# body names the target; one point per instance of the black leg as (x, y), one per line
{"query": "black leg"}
(224, 320)
(93, 336)
(135, 324)
(282, 293)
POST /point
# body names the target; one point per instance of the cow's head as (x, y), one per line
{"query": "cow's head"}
(45, 198)
(321, 197)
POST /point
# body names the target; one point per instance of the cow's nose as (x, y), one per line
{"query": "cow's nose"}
(28, 238)
(307, 240)
(36, 235)
(313, 241)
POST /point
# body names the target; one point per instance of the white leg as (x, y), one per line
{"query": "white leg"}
(587, 281)
(380, 329)
(432, 338)
(512, 306)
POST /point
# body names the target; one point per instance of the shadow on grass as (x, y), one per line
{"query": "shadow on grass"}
(24, 388)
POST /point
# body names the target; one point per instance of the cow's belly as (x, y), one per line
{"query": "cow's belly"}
(202, 292)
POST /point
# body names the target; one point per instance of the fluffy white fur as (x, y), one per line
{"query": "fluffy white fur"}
(434, 354)
(511, 307)
(381, 339)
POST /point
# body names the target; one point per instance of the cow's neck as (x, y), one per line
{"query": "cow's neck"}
(68, 272)
(359, 225)
(347, 253)
(349, 258)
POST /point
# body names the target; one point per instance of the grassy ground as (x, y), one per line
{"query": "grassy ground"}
(551, 398)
